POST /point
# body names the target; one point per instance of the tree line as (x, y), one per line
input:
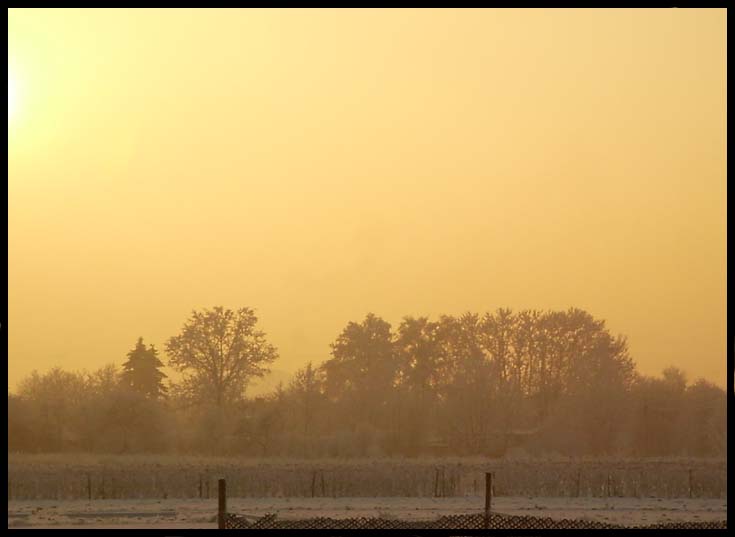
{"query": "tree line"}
(534, 382)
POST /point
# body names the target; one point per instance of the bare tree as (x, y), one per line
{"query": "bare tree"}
(218, 350)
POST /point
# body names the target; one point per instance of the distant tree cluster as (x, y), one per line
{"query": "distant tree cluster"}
(541, 382)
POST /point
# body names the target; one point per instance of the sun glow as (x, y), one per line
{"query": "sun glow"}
(12, 95)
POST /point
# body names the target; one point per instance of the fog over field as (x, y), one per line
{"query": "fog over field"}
(367, 264)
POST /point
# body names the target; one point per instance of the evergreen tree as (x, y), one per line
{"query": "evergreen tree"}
(141, 371)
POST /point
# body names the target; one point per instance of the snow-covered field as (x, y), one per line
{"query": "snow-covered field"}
(180, 492)
(186, 513)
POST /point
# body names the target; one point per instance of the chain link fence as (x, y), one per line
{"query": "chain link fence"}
(453, 522)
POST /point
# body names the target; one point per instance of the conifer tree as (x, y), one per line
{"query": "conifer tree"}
(141, 371)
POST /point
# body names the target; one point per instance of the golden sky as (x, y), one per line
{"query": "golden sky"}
(320, 164)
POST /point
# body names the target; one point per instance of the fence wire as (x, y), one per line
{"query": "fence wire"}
(472, 521)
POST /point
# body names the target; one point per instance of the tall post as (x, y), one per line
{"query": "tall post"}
(643, 483)
(222, 505)
(690, 483)
(488, 497)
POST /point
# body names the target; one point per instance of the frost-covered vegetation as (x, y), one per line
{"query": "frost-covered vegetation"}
(121, 477)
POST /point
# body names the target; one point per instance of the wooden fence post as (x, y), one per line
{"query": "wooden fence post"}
(643, 484)
(313, 482)
(222, 504)
(201, 487)
(690, 483)
(89, 487)
(488, 497)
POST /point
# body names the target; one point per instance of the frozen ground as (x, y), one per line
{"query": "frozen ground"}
(176, 513)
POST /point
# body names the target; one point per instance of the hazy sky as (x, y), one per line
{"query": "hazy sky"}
(318, 165)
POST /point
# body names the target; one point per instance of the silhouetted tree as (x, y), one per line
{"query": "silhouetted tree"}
(362, 370)
(263, 421)
(467, 381)
(704, 420)
(141, 371)
(418, 351)
(21, 432)
(555, 381)
(217, 351)
(306, 393)
(55, 398)
(658, 411)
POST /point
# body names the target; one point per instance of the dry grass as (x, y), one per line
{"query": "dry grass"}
(70, 476)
